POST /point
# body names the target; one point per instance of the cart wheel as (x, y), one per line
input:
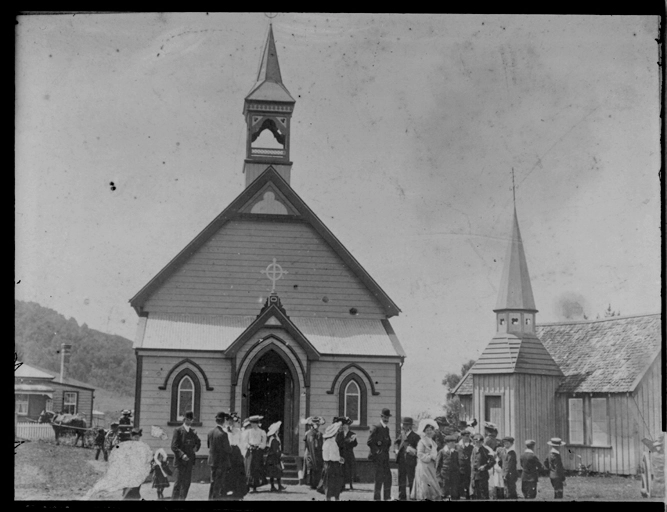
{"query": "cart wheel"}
(645, 470)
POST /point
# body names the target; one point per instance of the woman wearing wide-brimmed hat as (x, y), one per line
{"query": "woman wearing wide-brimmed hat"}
(347, 441)
(238, 484)
(254, 441)
(332, 473)
(274, 453)
(313, 454)
(426, 485)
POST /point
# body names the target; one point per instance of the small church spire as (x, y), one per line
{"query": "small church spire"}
(516, 292)
(268, 111)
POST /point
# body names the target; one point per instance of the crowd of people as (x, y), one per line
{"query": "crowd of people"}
(441, 462)
(436, 462)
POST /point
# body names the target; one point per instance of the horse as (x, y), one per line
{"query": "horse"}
(65, 424)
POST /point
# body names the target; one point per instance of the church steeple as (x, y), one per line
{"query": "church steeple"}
(268, 111)
(515, 308)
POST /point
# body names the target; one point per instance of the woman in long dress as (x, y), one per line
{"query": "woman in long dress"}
(332, 474)
(254, 442)
(426, 486)
(274, 454)
(237, 483)
(347, 440)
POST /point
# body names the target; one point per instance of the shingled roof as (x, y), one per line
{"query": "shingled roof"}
(600, 356)
(603, 356)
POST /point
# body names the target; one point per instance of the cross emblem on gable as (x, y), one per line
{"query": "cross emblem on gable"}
(274, 272)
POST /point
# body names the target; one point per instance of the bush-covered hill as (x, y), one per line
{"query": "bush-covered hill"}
(102, 360)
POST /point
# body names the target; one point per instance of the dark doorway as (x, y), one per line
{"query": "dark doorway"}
(270, 394)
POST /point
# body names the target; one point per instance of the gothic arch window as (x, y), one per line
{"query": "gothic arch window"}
(352, 400)
(185, 396)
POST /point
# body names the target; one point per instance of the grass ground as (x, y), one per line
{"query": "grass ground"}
(44, 471)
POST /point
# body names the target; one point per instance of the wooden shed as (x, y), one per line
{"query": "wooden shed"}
(265, 311)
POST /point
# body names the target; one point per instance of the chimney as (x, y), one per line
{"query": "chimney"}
(65, 351)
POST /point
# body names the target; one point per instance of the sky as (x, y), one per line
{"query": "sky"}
(130, 139)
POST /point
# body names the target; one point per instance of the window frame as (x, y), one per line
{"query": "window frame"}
(358, 395)
(500, 398)
(570, 400)
(606, 422)
(363, 399)
(18, 401)
(175, 397)
(66, 404)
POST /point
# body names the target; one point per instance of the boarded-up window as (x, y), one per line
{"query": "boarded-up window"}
(186, 397)
(492, 410)
(353, 402)
(576, 420)
(599, 422)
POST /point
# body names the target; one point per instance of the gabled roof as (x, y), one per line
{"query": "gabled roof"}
(509, 353)
(56, 378)
(273, 315)
(464, 387)
(305, 214)
(269, 85)
(26, 371)
(515, 292)
(603, 356)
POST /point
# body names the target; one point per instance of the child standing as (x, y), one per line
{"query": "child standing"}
(100, 445)
(160, 470)
(554, 464)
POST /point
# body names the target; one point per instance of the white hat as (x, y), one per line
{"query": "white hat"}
(332, 430)
(274, 428)
(555, 441)
(159, 451)
(425, 423)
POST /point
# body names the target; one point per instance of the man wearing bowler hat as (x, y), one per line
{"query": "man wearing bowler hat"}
(405, 448)
(219, 453)
(379, 442)
(554, 464)
(184, 445)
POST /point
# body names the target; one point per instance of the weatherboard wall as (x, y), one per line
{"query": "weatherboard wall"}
(224, 276)
(630, 418)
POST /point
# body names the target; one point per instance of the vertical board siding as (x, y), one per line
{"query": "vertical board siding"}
(224, 275)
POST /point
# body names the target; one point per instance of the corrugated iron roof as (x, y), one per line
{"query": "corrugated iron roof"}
(604, 356)
(207, 332)
(25, 371)
(66, 381)
(33, 389)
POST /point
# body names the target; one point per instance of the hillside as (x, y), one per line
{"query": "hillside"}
(105, 361)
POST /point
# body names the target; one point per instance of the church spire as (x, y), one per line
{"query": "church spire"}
(516, 293)
(268, 111)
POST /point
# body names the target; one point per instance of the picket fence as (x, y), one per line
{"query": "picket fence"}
(35, 431)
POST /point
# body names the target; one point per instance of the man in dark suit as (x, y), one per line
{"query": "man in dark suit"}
(510, 471)
(530, 466)
(406, 457)
(480, 462)
(219, 452)
(554, 464)
(464, 447)
(379, 442)
(184, 445)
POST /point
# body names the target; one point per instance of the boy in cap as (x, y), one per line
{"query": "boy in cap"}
(184, 444)
(554, 464)
(510, 471)
(447, 468)
(379, 442)
(100, 444)
(111, 440)
(481, 462)
(405, 448)
(531, 466)
(464, 449)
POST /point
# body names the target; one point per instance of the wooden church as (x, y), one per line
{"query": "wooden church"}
(265, 311)
(595, 384)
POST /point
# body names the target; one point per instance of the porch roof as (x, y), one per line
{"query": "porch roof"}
(33, 389)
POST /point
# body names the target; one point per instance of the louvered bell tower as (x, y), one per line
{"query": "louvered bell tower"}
(268, 111)
(515, 378)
